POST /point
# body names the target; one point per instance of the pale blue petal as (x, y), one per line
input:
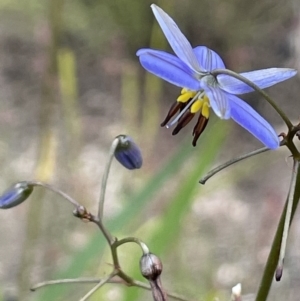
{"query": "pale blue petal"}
(169, 68)
(263, 78)
(171, 58)
(250, 120)
(179, 43)
(218, 101)
(208, 59)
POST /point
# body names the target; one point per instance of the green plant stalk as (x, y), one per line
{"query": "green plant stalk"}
(231, 162)
(105, 177)
(271, 265)
(287, 221)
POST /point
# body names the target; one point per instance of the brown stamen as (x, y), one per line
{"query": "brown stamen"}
(199, 128)
(183, 121)
(176, 106)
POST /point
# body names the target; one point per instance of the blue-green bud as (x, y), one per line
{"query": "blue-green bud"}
(128, 153)
(15, 195)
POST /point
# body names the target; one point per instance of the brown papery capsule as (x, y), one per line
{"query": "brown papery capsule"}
(151, 266)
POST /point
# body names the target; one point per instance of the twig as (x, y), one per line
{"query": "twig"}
(55, 190)
(231, 162)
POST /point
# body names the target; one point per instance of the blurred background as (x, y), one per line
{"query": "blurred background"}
(70, 82)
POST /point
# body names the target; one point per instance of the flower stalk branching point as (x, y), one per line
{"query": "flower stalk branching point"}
(193, 69)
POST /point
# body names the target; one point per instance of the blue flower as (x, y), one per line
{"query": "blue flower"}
(191, 70)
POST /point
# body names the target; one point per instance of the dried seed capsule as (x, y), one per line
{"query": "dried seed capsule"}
(150, 266)
(15, 195)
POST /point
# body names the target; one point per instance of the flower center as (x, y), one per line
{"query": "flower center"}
(209, 80)
(200, 104)
(187, 105)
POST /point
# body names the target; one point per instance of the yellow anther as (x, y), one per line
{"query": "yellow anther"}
(205, 110)
(196, 106)
(205, 98)
(186, 96)
(184, 90)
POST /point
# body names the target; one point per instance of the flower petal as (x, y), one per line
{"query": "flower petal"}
(168, 67)
(263, 78)
(179, 43)
(218, 101)
(208, 59)
(250, 120)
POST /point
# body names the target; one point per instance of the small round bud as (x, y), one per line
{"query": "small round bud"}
(15, 195)
(150, 266)
(128, 153)
(79, 211)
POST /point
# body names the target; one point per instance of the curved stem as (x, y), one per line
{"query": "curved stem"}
(231, 162)
(267, 278)
(287, 222)
(105, 176)
(55, 190)
(143, 246)
(256, 88)
(64, 281)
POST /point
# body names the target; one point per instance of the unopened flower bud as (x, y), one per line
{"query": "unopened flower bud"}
(151, 266)
(128, 153)
(15, 195)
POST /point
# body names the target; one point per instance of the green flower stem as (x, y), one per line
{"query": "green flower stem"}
(65, 281)
(143, 246)
(256, 88)
(287, 221)
(272, 261)
(109, 238)
(105, 176)
(231, 162)
(55, 190)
